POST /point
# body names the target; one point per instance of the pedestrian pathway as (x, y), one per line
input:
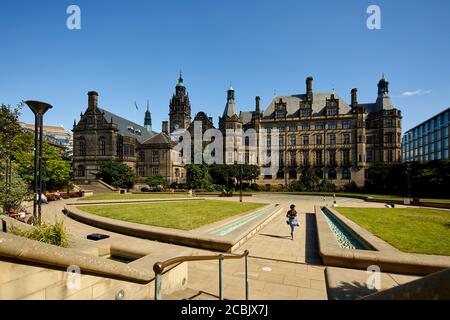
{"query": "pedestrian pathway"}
(279, 268)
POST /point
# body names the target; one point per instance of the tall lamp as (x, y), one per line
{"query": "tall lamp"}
(39, 109)
(240, 188)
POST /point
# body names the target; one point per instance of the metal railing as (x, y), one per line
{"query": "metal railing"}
(159, 267)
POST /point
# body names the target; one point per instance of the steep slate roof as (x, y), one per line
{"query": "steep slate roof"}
(123, 124)
(158, 138)
(246, 116)
(370, 107)
(230, 109)
(293, 103)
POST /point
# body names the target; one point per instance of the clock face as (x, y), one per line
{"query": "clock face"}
(177, 126)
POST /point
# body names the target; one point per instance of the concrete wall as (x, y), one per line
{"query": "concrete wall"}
(19, 281)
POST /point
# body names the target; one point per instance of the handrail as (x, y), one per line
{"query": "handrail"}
(159, 267)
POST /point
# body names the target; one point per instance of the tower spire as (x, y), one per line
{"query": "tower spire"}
(148, 119)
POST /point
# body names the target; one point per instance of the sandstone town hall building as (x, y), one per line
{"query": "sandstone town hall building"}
(339, 141)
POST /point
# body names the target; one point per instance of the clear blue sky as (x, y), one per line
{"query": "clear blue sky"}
(133, 50)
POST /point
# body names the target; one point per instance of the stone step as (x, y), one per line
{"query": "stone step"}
(96, 189)
(350, 284)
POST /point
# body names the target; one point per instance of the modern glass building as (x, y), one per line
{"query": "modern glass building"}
(428, 141)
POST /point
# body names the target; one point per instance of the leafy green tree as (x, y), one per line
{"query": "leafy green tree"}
(156, 181)
(251, 172)
(117, 174)
(309, 180)
(431, 179)
(13, 193)
(225, 174)
(352, 187)
(327, 186)
(56, 168)
(197, 176)
(9, 128)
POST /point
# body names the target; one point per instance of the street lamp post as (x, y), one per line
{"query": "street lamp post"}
(408, 169)
(39, 109)
(240, 191)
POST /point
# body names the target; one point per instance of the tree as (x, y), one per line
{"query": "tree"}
(9, 128)
(431, 179)
(309, 180)
(224, 173)
(197, 176)
(251, 172)
(117, 174)
(56, 168)
(327, 186)
(157, 181)
(13, 193)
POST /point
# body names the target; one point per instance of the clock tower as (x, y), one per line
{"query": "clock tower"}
(180, 108)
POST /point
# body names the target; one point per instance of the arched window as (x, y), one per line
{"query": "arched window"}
(82, 147)
(319, 173)
(332, 174)
(81, 171)
(293, 174)
(346, 174)
(102, 146)
(280, 174)
(390, 138)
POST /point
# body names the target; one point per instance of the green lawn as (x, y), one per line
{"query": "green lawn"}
(408, 229)
(130, 196)
(184, 215)
(343, 194)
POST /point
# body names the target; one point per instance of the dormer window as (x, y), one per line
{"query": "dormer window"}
(305, 112)
(332, 106)
(280, 109)
(332, 112)
(305, 109)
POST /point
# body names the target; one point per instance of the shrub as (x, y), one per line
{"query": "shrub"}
(117, 174)
(54, 234)
(351, 187)
(327, 186)
(157, 181)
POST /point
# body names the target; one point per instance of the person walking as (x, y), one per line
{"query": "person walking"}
(292, 220)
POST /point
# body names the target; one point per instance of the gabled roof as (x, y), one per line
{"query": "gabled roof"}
(128, 128)
(246, 116)
(158, 138)
(293, 103)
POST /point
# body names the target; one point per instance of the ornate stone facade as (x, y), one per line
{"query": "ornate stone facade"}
(339, 141)
(101, 136)
(321, 131)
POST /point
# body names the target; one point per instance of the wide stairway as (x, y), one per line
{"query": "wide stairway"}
(96, 188)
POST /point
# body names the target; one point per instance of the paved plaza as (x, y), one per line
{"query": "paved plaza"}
(279, 268)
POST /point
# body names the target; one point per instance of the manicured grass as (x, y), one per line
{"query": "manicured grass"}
(184, 215)
(412, 230)
(130, 196)
(436, 200)
(370, 195)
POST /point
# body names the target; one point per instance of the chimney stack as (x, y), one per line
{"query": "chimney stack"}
(309, 90)
(257, 100)
(92, 100)
(354, 98)
(309, 81)
(165, 127)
